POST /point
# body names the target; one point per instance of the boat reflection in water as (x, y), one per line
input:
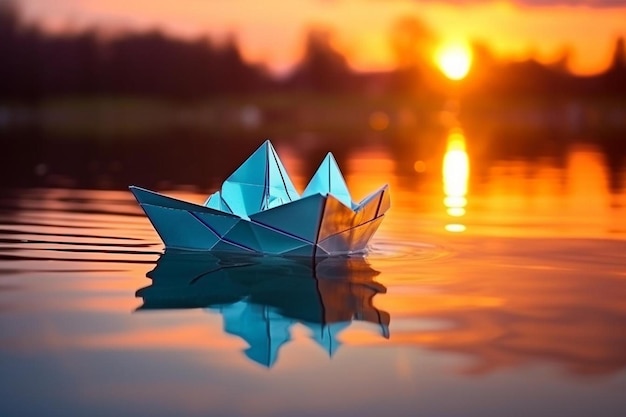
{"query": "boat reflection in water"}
(260, 298)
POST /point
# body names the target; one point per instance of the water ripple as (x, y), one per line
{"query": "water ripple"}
(409, 250)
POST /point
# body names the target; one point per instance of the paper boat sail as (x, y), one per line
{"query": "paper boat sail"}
(258, 210)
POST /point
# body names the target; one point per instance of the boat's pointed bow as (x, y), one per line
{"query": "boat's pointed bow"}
(142, 195)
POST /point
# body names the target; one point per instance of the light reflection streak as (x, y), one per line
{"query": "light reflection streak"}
(455, 179)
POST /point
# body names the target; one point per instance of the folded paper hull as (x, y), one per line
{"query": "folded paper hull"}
(314, 225)
(258, 210)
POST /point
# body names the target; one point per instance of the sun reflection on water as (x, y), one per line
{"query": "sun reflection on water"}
(455, 179)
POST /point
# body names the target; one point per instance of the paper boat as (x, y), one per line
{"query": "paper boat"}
(258, 210)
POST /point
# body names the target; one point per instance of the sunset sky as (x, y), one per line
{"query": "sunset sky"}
(272, 31)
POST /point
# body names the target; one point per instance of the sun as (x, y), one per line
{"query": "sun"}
(454, 59)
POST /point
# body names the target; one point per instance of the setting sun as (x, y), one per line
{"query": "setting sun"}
(454, 60)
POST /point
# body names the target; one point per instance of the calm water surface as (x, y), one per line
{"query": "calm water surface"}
(493, 289)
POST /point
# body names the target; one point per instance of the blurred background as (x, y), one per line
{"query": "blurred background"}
(499, 125)
(169, 94)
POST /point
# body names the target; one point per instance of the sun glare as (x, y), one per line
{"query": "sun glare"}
(454, 60)
(455, 179)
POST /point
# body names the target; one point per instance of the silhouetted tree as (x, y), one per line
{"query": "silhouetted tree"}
(19, 72)
(618, 62)
(36, 64)
(613, 80)
(561, 64)
(68, 64)
(322, 68)
(8, 35)
(411, 42)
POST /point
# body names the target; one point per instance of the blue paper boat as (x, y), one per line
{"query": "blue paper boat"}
(258, 210)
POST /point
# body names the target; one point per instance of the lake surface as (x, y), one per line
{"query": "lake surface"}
(493, 287)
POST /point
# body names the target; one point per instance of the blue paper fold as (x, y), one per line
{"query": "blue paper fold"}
(258, 210)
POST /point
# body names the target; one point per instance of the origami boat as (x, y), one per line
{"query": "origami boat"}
(259, 211)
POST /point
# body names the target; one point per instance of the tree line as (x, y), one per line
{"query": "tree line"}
(35, 65)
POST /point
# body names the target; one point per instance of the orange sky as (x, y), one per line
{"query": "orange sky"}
(272, 30)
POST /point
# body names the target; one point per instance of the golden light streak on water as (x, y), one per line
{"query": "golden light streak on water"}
(456, 170)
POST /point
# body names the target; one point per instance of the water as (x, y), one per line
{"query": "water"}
(497, 288)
